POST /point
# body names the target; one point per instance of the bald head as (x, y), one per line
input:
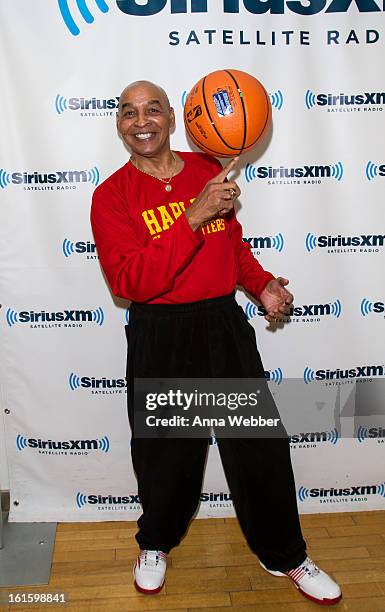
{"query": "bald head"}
(144, 87)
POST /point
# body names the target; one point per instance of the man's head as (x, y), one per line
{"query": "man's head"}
(145, 118)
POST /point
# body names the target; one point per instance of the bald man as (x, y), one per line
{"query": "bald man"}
(169, 241)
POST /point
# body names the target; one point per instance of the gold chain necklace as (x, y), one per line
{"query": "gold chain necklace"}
(167, 182)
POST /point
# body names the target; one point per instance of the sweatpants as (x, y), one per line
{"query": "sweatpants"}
(208, 339)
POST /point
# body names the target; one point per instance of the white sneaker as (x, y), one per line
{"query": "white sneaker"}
(149, 571)
(312, 582)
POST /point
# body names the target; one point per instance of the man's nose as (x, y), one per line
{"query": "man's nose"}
(141, 119)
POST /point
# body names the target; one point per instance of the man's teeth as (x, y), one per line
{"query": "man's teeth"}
(143, 136)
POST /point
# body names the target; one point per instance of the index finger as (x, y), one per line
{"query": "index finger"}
(223, 173)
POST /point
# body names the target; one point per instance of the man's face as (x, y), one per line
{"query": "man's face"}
(145, 119)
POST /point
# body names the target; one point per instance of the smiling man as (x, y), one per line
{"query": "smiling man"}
(169, 241)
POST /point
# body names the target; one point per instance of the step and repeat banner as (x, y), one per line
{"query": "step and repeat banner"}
(312, 210)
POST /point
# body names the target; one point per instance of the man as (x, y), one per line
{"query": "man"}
(169, 241)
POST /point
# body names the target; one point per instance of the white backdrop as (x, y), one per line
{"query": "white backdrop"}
(67, 440)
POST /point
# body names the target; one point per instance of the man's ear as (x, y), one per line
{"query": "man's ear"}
(172, 118)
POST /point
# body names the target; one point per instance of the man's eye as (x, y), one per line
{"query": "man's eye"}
(154, 110)
(128, 113)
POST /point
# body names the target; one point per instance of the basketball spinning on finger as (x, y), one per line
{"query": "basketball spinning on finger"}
(227, 112)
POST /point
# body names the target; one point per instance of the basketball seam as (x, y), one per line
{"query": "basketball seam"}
(267, 119)
(243, 109)
(212, 123)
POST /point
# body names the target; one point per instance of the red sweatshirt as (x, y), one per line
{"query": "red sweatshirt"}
(149, 252)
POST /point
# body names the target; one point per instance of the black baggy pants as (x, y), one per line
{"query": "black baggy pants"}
(210, 338)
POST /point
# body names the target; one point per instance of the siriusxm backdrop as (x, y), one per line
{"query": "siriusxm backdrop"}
(312, 209)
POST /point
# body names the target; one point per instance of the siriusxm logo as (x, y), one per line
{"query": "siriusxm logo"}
(352, 492)
(145, 8)
(72, 446)
(61, 179)
(67, 318)
(306, 311)
(97, 385)
(367, 307)
(81, 247)
(215, 497)
(107, 500)
(313, 437)
(282, 175)
(276, 242)
(367, 243)
(88, 107)
(342, 101)
(363, 433)
(366, 371)
(373, 170)
(275, 376)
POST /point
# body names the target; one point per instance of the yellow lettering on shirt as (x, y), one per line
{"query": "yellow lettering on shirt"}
(151, 221)
(167, 220)
(176, 208)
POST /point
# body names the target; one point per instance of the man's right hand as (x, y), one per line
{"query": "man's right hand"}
(217, 198)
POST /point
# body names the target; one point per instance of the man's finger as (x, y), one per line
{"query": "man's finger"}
(223, 174)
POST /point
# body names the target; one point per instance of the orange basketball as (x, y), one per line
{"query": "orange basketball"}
(226, 112)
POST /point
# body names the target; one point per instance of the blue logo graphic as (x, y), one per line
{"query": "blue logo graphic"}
(21, 442)
(101, 444)
(68, 247)
(377, 489)
(127, 316)
(81, 247)
(276, 99)
(303, 493)
(311, 242)
(366, 307)
(250, 172)
(74, 381)
(305, 172)
(308, 375)
(362, 433)
(310, 99)
(81, 500)
(373, 170)
(84, 11)
(58, 177)
(11, 317)
(336, 309)
(98, 316)
(60, 104)
(5, 178)
(251, 310)
(337, 171)
(276, 242)
(95, 316)
(275, 376)
(104, 444)
(333, 436)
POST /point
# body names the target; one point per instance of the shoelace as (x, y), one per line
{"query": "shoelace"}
(308, 567)
(151, 557)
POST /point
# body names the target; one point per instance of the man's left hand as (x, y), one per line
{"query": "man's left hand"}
(276, 299)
